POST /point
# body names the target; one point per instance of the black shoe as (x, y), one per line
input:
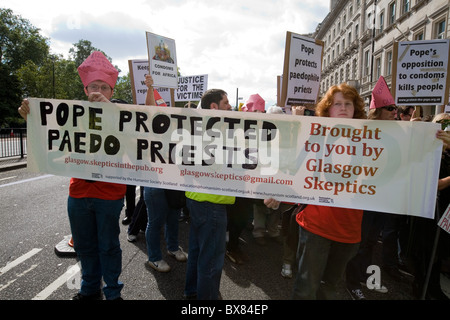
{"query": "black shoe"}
(190, 297)
(126, 221)
(183, 216)
(394, 273)
(91, 297)
(234, 257)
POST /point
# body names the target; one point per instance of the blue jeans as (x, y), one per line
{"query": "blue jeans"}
(207, 241)
(159, 214)
(321, 266)
(95, 231)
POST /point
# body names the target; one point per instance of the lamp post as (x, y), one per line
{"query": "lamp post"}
(53, 75)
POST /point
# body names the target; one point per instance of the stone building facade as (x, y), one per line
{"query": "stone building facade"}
(359, 38)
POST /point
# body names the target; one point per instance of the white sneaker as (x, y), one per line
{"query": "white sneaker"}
(131, 238)
(286, 271)
(180, 255)
(160, 265)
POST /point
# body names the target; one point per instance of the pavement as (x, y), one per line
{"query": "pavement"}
(12, 163)
(398, 291)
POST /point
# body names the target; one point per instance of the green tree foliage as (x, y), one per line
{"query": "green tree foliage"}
(27, 69)
(122, 89)
(10, 95)
(20, 41)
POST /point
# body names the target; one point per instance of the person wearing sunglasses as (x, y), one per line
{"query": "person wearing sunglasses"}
(382, 107)
(405, 113)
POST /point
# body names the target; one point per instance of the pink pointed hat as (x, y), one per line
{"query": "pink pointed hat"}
(97, 67)
(381, 95)
(254, 103)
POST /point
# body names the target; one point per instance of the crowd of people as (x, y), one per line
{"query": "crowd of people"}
(325, 245)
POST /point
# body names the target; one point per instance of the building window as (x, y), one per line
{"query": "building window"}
(440, 29)
(381, 21)
(378, 68)
(356, 31)
(389, 63)
(366, 63)
(419, 36)
(392, 13)
(406, 6)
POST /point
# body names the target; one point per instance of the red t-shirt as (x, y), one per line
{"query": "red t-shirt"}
(337, 224)
(80, 188)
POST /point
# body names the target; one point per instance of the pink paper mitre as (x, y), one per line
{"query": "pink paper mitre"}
(254, 102)
(381, 95)
(97, 67)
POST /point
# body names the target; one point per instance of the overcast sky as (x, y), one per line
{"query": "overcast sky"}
(239, 44)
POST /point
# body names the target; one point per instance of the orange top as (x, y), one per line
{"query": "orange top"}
(80, 188)
(337, 224)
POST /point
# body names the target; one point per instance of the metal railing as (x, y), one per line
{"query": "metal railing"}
(13, 142)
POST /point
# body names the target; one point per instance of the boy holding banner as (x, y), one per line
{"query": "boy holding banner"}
(94, 206)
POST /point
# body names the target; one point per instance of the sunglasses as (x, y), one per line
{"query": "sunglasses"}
(390, 108)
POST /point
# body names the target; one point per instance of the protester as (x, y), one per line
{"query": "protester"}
(382, 107)
(265, 221)
(427, 282)
(94, 207)
(238, 215)
(208, 227)
(138, 219)
(329, 236)
(160, 215)
(289, 226)
(405, 113)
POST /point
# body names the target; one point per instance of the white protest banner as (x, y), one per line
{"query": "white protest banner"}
(138, 70)
(191, 88)
(388, 166)
(444, 222)
(302, 69)
(420, 76)
(162, 59)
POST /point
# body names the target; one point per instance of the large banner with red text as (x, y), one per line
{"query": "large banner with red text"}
(387, 166)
